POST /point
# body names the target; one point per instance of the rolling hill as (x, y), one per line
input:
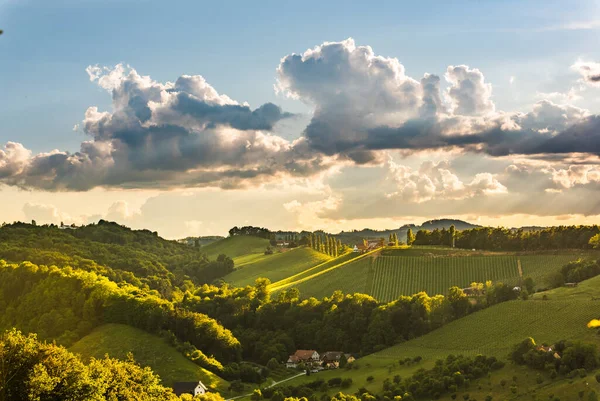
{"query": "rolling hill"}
(117, 340)
(275, 267)
(564, 314)
(405, 271)
(236, 246)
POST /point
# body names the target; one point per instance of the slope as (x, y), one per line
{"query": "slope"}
(563, 315)
(275, 267)
(406, 271)
(117, 340)
(236, 246)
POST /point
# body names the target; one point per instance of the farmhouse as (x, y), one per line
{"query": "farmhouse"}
(193, 388)
(331, 359)
(307, 357)
(312, 359)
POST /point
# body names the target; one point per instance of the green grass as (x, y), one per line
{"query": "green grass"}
(492, 331)
(540, 267)
(117, 340)
(235, 247)
(274, 267)
(313, 271)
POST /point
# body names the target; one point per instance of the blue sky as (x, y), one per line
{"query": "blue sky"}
(525, 49)
(237, 45)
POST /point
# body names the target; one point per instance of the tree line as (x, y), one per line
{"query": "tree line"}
(251, 230)
(326, 244)
(66, 304)
(504, 239)
(138, 257)
(274, 327)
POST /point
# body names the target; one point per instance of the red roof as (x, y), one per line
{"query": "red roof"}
(304, 354)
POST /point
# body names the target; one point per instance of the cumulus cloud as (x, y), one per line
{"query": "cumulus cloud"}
(187, 134)
(364, 103)
(437, 181)
(469, 94)
(589, 71)
(164, 135)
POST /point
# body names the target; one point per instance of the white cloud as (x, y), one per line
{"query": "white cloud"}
(589, 71)
(437, 181)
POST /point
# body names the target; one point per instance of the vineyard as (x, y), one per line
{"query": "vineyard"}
(405, 272)
(394, 276)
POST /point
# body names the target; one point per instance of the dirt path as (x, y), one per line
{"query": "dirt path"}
(269, 386)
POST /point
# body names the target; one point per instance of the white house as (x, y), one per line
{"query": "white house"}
(194, 388)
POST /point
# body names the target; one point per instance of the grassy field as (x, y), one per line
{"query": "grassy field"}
(237, 246)
(492, 331)
(396, 272)
(117, 340)
(274, 267)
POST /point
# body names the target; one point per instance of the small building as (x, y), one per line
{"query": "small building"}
(360, 248)
(331, 359)
(193, 388)
(292, 362)
(282, 243)
(570, 284)
(308, 357)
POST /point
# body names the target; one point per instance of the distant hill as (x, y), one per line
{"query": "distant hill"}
(117, 340)
(356, 236)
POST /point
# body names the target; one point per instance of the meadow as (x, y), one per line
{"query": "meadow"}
(236, 246)
(564, 314)
(117, 340)
(275, 267)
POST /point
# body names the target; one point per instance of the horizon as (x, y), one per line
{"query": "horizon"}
(279, 115)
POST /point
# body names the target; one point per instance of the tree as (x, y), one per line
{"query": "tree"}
(343, 361)
(595, 241)
(529, 285)
(256, 395)
(410, 237)
(273, 364)
(452, 235)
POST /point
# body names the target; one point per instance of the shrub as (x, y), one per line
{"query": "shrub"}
(370, 379)
(347, 382)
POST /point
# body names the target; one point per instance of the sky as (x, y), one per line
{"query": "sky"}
(190, 117)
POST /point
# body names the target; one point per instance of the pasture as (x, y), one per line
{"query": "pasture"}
(117, 340)
(275, 267)
(492, 332)
(236, 246)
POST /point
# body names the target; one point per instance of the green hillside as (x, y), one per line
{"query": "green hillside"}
(492, 331)
(396, 272)
(236, 246)
(118, 340)
(275, 267)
